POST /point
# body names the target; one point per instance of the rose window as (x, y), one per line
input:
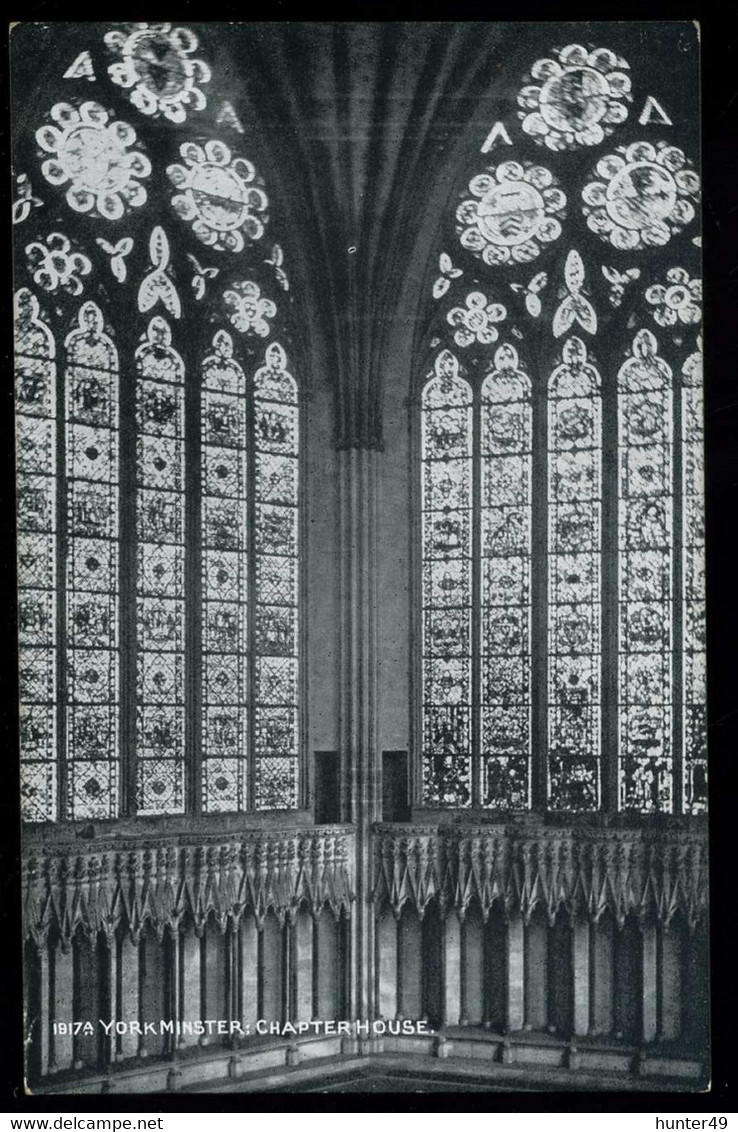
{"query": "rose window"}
(156, 64)
(515, 211)
(679, 301)
(576, 98)
(94, 157)
(217, 196)
(645, 195)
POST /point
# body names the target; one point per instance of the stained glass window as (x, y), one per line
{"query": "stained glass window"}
(574, 598)
(224, 579)
(446, 450)
(92, 592)
(505, 584)
(160, 514)
(276, 443)
(645, 585)
(158, 440)
(585, 635)
(693, 583)
(35, 366)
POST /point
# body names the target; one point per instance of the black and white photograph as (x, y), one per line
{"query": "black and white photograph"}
(360, 556)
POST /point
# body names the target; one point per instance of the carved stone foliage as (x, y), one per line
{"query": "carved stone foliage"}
(587, 872)
(125, 885)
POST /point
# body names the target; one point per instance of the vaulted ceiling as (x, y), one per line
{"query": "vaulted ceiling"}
(363, 126)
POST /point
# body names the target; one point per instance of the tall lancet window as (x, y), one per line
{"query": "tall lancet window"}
(559, 453)
(36, 443)
(225, 575)
(447, 588)
(158, 389)
(506, 441)
(92, 673)
(646, 541)
(160, 609)
(574, 598)
(276, 443)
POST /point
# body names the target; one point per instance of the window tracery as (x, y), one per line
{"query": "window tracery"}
(153, 683)
(606, 484)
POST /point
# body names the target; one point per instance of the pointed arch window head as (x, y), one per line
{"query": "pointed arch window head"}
(573, 648)
(159, 545)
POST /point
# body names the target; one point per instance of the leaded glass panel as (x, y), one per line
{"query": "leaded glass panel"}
(693, 583)
(506, 438)
(225, 627)
(645, 579)
(276, 723)
(35, 366)
(160, 528)
(446, 486)
(574, 599)
(92, 591)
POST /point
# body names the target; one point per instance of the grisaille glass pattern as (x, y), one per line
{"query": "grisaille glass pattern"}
(446, 492)
(224, 579)
(506, 437)
(276, 443)
(645, 583)
(92, 590)
(693, 583)
(160, 517)
(35, 369)
(574, 599)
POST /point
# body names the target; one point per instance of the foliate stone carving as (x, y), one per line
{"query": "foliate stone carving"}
(163, 884)
(651, 874)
